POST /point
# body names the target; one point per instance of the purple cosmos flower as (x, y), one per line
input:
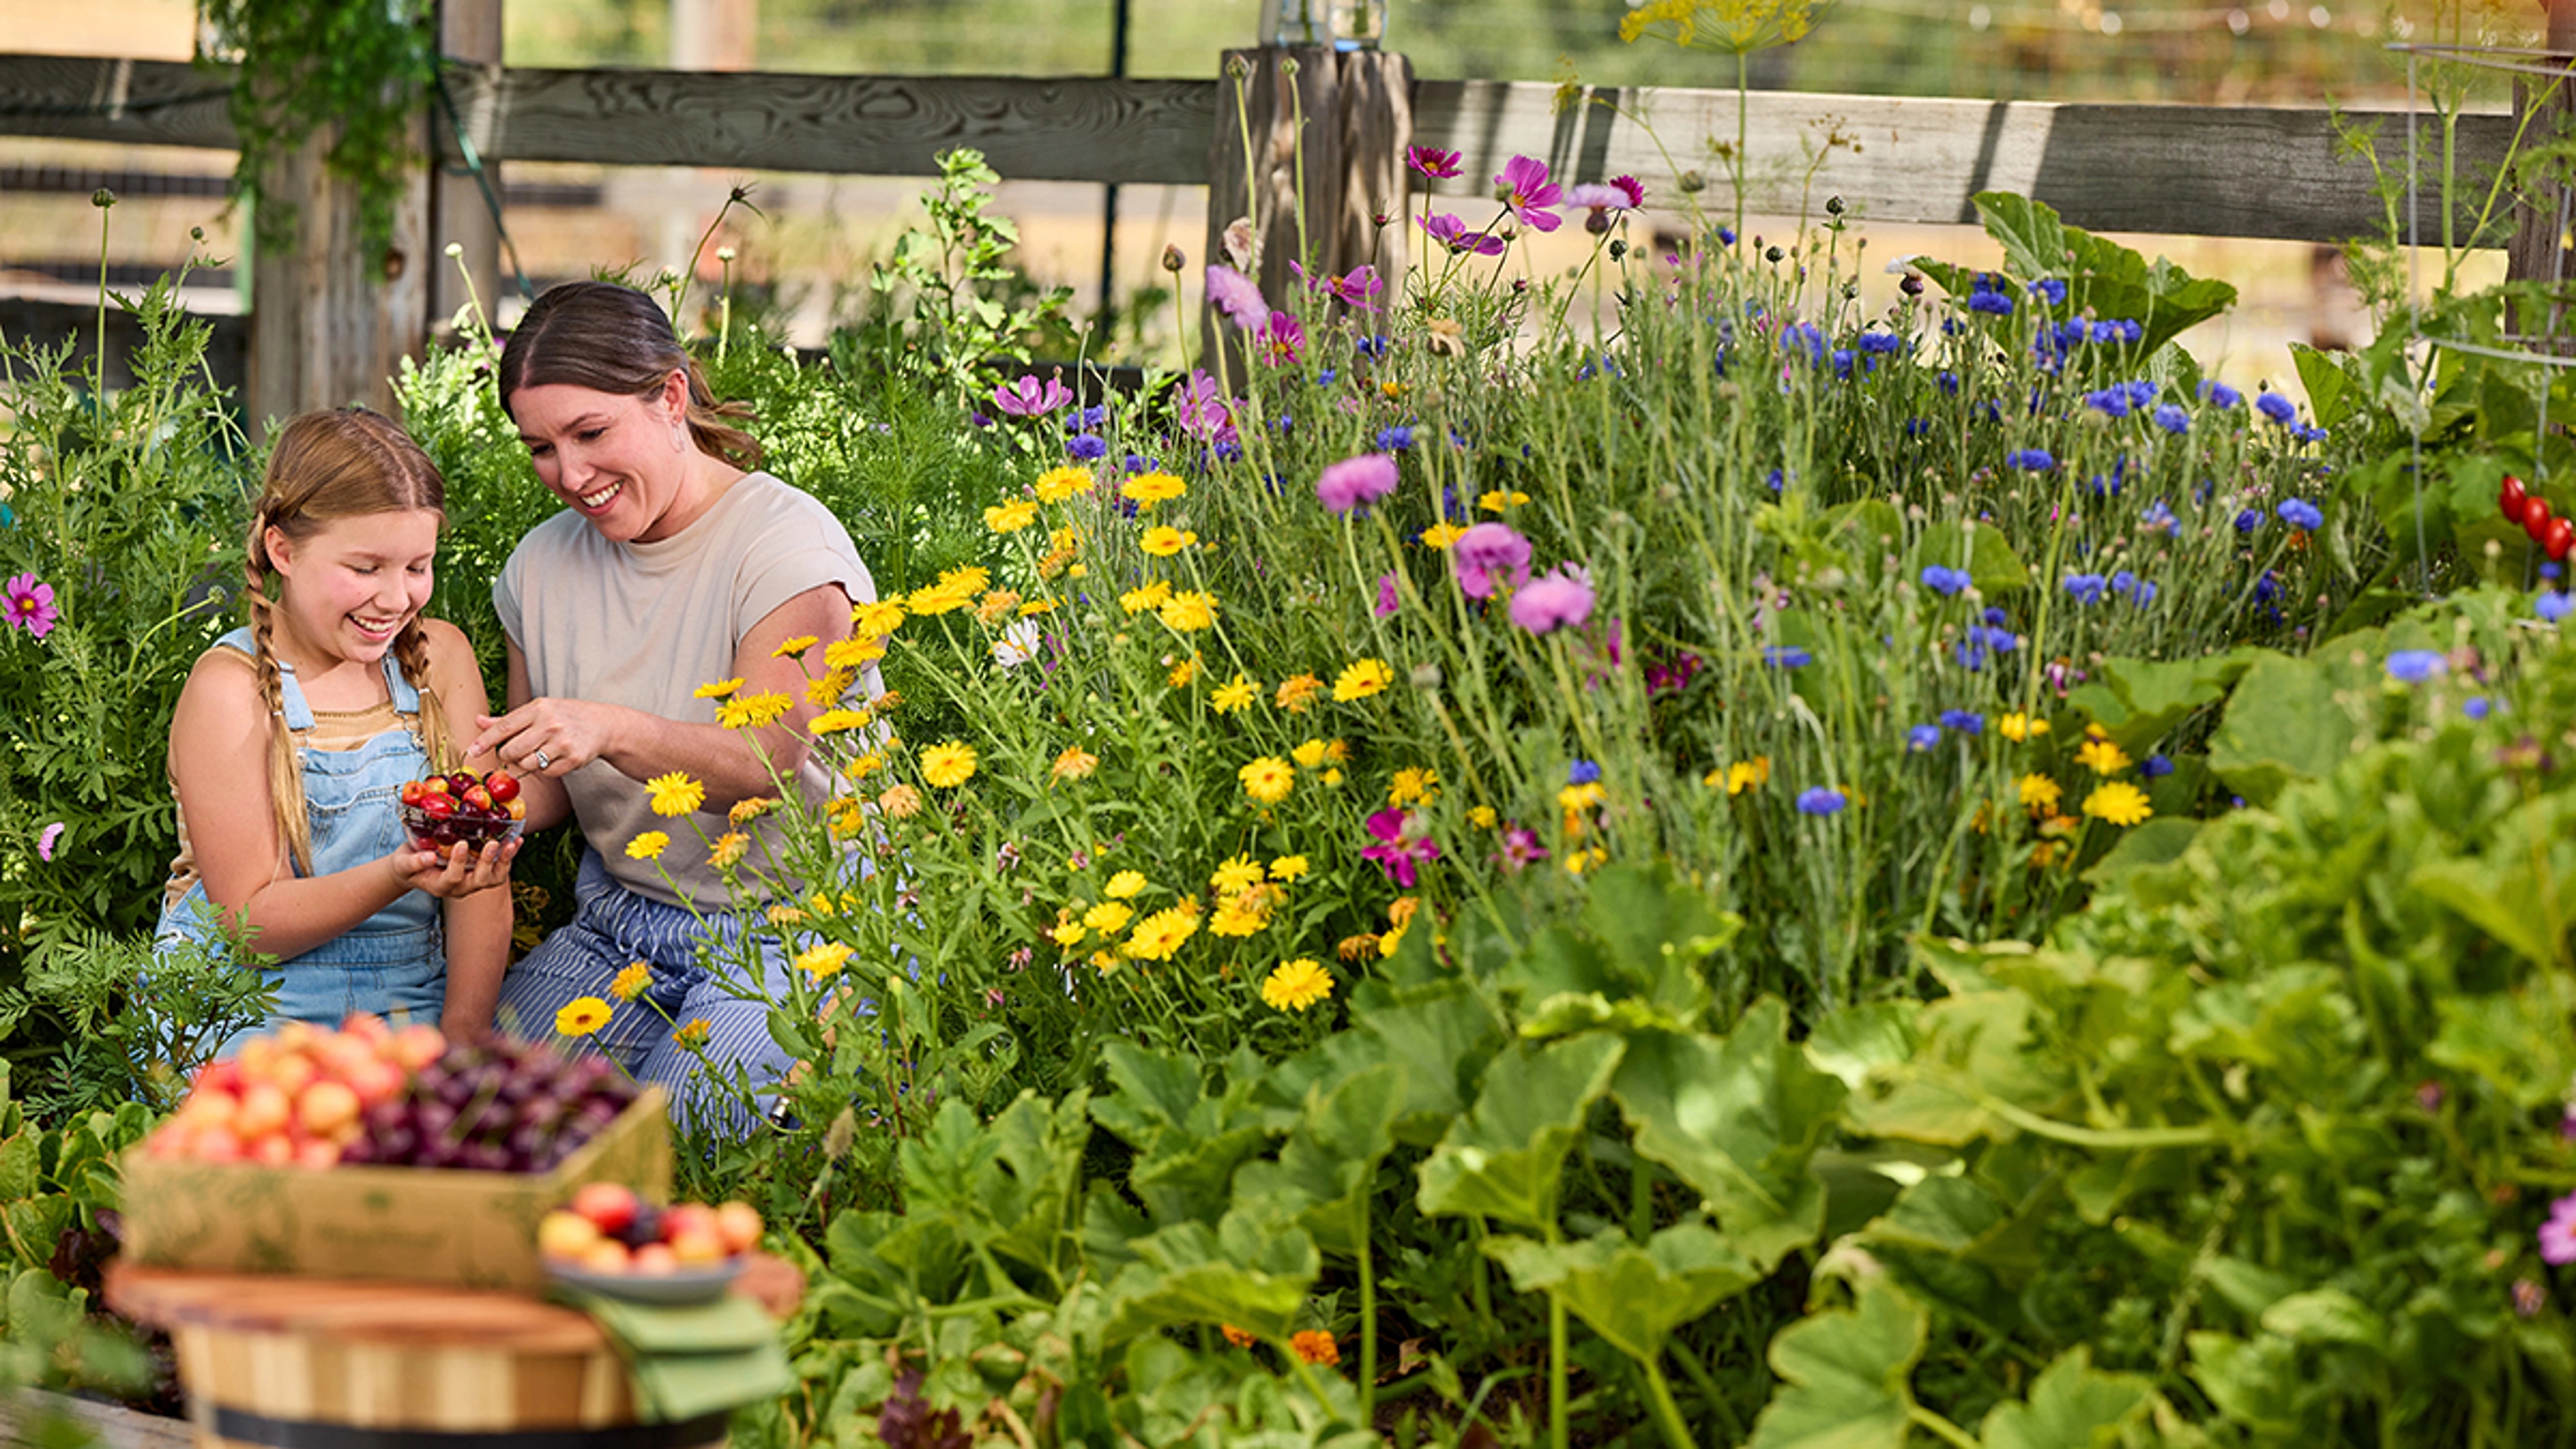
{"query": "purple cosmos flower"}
(1448, 230)
(1237, 296)
(1524, 188)
(1433, 162)
(1030, 398)
(1520, 848)
(1669, 678)
(1486, 554)
(45, 839)
(1387, 601)
(1356, 482)
(1559, 600)
(29, 605)
(1281, 342)
(1201, 410)
(1394, 853)
(2558, 1235)
(1600, 197)
(1820, 800)
(2414, 666)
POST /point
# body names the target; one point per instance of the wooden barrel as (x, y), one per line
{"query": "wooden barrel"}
(277, 1362)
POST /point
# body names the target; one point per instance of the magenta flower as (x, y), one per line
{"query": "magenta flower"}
(1387, 602)
(1446, 229)
(29, 605)
(1671, 675)
(1281, 342)
(1358, 288)
(1561, 600)
(1356, 482)
(1394, 853)
(2557, 1236)
(45, 839)
(1201, 410)
(1605, 199)
(1524, 188)
(1521, 848)
(1238, 297)
(1486, 554)
(1029, 398)
(1433, 162)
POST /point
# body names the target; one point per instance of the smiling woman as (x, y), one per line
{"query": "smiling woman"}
(674, 563)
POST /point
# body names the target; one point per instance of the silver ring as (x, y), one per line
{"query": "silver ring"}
(541, 759)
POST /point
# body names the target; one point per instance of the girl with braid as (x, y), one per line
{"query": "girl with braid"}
(295, 734)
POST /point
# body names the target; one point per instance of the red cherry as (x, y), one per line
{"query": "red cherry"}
(434, 785)
(2535, 517)
(2510, 498)
(460, 782)
(439, 806)
(2560, 537)
(412, 792)
(478, 797)
(503, 786)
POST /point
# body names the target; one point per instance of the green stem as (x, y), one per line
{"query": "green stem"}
(1941, 1428)
(1368, 1308)
(1557, 1428)
(1668, 1415)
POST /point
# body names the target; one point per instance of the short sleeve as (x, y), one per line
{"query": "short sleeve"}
(800, 547)
(505, 597)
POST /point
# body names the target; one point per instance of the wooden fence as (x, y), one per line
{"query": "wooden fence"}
(2183, 170)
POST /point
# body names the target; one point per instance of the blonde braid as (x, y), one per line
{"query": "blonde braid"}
(411, 650)
(285, 770)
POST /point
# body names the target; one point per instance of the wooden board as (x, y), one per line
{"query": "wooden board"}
(349, 1310)
(27, 1414)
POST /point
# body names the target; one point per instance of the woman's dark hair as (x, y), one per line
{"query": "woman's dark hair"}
(615, 340)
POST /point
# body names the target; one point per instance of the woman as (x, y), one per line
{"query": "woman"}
(673, 566)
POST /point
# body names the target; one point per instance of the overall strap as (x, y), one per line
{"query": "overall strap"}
(406, 696)
(290, 695)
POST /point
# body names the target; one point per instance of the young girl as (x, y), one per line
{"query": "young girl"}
(295, 734)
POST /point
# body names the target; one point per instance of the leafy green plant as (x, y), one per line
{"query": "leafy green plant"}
(130, 1024)
(352, 70)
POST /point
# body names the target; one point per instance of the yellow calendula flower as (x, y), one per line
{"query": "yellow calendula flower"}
(1238, 693)
(877, 618)
(581, 1016)
(2119, 802)
(1240, 916)
(900, 802)
(632, 982)
(1239, 874)
(1268, 779)
(948, 764)
(1310, 755)
(2018, 727)
(1037, 606)
(746, 811)
(1125, 884)
(2102, 757)
(1441, 535)
(1363, 678)
(1058, 484)
(833, 721)
(675, 793)
(694, 1035)
(1067, 932)
(727, 851)
(1011, 517)
(823, 960)
(825, 689)
(1288, 867)
(1163, 540)
(1183, 672)
(1161, 934)
(864, 766)
(717, 690)
(845, 816)
(1145, 598)
(1498, 500)
(856, 652)
(1482, 817)
(1411, 785)
(1586, 796)
(1189, 612)
(752, 711)
(936, 599)
(1743, 775)
(1296, 985)
(1108, 917)
(647, 846)
(1076, 763)
(1332, 777)
(1579, 861)
(1147, 489)
(2039, 793)
(790, 648)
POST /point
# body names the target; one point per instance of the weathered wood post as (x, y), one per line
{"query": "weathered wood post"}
(2541, 249)
(469, 44)
(1340, 120)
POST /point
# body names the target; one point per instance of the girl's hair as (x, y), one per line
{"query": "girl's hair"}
(615, 340)
(328, 466)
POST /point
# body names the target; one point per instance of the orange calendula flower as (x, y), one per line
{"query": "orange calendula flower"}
(900, 802)
(694, 1035)
(727, 851)
(1236, 1336)
(631, 982)
(994, 605)
(1296, 695)
(1316, 1347)
(1356, 948)
(1076, 763)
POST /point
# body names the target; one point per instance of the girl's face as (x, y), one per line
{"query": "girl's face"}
(351, 585)
(623, 463)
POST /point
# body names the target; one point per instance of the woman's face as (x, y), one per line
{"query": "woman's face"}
(620, 462)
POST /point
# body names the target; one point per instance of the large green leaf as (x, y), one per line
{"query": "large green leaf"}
(2072, 1406)
(1251, 1270)
(1844, 1375)
(1633, 1296)
(1441, 1039)
(2103, 278)
(1737, 1119)
(1505, 1157)
(2285, 723)
(1331, 1158)
(2138, 701)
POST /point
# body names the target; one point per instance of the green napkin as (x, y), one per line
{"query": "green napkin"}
(693, 1359)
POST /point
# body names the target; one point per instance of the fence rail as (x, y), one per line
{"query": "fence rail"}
(2179, 170)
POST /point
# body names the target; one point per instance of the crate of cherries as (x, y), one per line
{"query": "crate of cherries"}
(462, 809)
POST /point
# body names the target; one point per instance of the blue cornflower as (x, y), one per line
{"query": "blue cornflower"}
(2142, 392)
(2051, 288)
(1995, 616)
(1991, 410)
(2307, 434)
(1229, 450)
(980, 420)
(1917, 427)
(1138, 463)
(1881, 343)
(1374, 346)
(1395, 439)
(1971, 653)
(1966, 722)
(2553, 605)
(2276, 407)
(1786, 656)
(2219, 394)
(2110, 401)
(1090, 418)
(1949, 381)
(1921, 738)
(1803, 336)
(2000, 640)
(1582, 772)
(1084, 448)
(2249, 520)
(2300, 513)
(2414, 666)
(1773, 479)
(1726, 236)
(2551, 570)
(1325, 377)
(2087, 588)
(2146, 593)
(2030, 460)
(2160, 519)
(1820, 800)
(1843, 359)
(1996, 303)
(2155, 767)
(2106, 487)
(1944, 581)
(2173, 419)
(2475, 706)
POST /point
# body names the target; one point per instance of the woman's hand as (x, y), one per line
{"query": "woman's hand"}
(459, 872)
(548, 736)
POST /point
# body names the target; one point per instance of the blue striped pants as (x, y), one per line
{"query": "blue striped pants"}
(611, 929)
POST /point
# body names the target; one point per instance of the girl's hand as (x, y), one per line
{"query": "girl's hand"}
(459, 872)
(547, 736)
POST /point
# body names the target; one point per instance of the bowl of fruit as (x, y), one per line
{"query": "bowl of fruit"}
(609, 1241)
(462, 809)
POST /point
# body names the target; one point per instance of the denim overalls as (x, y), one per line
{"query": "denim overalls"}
(393, 962)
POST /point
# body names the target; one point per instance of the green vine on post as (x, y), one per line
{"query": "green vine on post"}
(354, 69)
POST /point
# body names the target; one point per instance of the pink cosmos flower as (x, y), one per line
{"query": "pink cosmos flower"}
(45, 839)
(1560, 600)
(1433, 162)
(1356, 482)
(29, 605)
(1029, 398)
(1394, 853)
(1387, 601)
(1238, 297)
(2557, 1236)
(1524, 188)
(1520, 848)
(1281, 342)
(1357, 288)
(1446, 229)
(1486, 554)
(1619, 193)
(1201, 410)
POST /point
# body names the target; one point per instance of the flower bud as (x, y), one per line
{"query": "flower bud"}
(1173, 259)
(102, 198)
(1691, 182)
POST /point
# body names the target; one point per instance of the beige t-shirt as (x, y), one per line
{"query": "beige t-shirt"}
(644, 624)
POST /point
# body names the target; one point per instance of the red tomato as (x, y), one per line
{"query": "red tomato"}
(503, 785)
(2559, 539)
(2535, 517)
(2510, 498)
